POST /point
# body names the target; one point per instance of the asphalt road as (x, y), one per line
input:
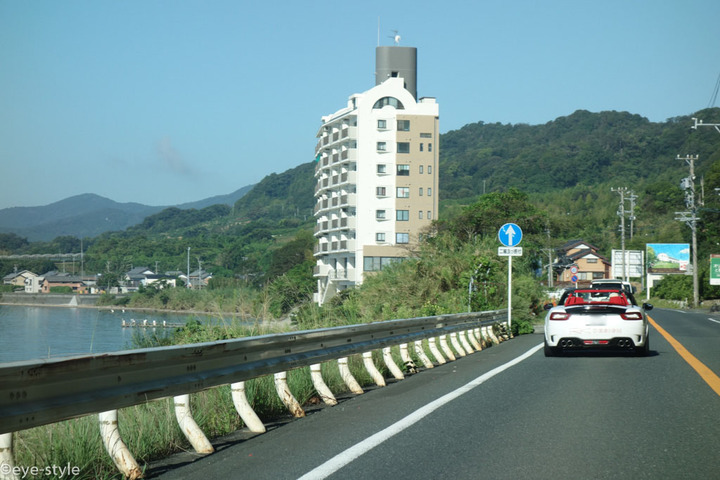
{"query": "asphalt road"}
(589, 416)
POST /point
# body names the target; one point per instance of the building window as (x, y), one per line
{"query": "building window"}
(403, 147)
(598, 275)
(421, 147)
(403, 170)
(429, 192)
(380, 237)
(391, 101)
(382, 124)
(403, 192)
(403, 125)
(371, 264)
(402, 238)
(429, 147)
(420, 191)
(591, 260)
(420, 215)
(429, 215)
(380, 214)
(381, 147)
(421, 169)
(426, 135)
(381, 168)
(380, 191)
(402, 215)
(429, 169)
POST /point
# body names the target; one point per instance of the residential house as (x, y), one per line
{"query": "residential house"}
(582, 260)
(18, 279)
(198, 279)
(135, 277)
(159, 279)
(34, 284)
(75, 282)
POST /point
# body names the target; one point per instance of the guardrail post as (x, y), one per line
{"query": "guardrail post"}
(463, 335)
(454, 341)
(405, 357)
(390, 363)
(6, 457)
(421, 354)
(432, 343)
(190, 429)
(473, 339)
(325, 394)
(372, 370)
(242, 406)
(283, 390)
(348, 378)
(446, 348)
(115, 446)
(492, 336)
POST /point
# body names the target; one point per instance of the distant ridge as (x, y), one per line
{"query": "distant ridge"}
(89, 215)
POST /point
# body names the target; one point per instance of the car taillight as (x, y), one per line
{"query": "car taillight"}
(559, 316)
(631, 316)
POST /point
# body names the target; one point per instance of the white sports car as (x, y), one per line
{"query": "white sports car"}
(596, 318)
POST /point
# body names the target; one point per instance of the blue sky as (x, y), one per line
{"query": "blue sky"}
(166, 102)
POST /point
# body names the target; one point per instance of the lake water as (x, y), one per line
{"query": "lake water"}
(48, 332)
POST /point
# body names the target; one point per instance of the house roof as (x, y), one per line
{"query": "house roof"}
(587, 252)
(21, 273)
(63, 279)
(576, 243)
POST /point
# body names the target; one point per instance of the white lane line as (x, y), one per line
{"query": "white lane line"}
(713, 320)
(343, 458)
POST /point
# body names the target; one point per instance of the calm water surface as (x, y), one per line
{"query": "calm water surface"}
(47, 332)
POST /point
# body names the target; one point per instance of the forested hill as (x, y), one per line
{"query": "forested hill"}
(583, 148)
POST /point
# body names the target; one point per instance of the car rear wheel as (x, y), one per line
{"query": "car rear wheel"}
(645, 349)
(550, 351)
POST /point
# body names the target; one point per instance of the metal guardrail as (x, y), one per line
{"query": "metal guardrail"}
(35, 393)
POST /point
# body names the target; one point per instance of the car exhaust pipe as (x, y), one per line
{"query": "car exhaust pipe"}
(569, 343)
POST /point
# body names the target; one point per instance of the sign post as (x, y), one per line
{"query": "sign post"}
(510, 235)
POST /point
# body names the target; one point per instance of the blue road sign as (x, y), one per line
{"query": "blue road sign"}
(510, 235)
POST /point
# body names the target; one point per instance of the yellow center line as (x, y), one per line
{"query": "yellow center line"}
(704, 372)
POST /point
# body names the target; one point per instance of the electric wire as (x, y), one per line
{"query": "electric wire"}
(713, 97)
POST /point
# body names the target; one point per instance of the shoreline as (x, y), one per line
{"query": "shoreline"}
(89, 301)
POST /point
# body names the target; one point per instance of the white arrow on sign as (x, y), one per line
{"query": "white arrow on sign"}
(510, 231)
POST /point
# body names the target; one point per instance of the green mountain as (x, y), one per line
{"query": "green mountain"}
(89, 215)
(581, 149)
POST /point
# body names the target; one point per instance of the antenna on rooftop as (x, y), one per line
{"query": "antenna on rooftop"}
(395, 37)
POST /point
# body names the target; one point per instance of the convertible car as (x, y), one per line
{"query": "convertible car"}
(596, 318)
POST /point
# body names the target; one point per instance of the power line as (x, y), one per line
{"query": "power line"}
(713, 97)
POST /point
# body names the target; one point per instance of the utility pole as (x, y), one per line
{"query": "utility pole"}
(690, 218)
(550, 252)
(622, 191)
(632, 197)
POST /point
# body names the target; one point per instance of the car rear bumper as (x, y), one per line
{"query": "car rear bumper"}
(615, 343)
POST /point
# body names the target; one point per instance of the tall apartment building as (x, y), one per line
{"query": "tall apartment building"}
(377, 175)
